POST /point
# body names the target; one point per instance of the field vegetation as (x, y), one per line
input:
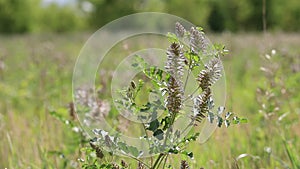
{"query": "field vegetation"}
(263, 76)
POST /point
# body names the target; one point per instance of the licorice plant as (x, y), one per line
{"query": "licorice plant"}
(184, 60)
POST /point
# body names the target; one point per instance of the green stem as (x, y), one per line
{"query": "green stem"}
(157, 161)
(140, 161)
(161, 160)
(166, 158)
(147, 138)
(170, 127)
(187, 78)
(191, 95)
(144, 127)
(184, 130)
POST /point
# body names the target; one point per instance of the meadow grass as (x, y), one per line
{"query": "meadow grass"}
(37, 78)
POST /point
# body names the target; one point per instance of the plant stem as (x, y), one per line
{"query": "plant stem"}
(140, 161)
(191, 124)
(144, 127)
(184, 130)
(166, 158)
(191, 95)
(157, 160)
(165, 155)
(170, 128)
(147, 138)
(188, 75)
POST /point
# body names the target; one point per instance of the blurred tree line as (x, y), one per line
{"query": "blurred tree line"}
(21, 16)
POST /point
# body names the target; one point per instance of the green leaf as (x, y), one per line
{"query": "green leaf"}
(155, 74)
(153, 125)
(236, 120)
(192, 137)
(220, 49)
(57, 115)
(211, 117)
(227, 123)
(159, 134)
(220, 121)
(140, 85)
(146, 107)
(133, 151)
(135, 65)
(196, 58)
(243, 120)
(228, 115)
(189, 154)
(139, 63)
(166, 122)
(173, 151)
(172, 37)
(199, 28)
(122, 146)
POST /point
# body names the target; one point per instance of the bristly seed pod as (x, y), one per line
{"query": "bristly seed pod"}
(132, 84)
(184, 165)
(124, 164)
(179, 30)
(175, 67)
(197, 41)
(174, 99)
(115, 166)
(201, 105)
(206, 78)
(141, 166)
(175, 61)
(98, 150)
(210, 74)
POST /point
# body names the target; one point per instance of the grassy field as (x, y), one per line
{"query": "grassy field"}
(36, 77)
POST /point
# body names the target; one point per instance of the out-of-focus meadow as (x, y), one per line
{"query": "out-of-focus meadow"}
(40, 42)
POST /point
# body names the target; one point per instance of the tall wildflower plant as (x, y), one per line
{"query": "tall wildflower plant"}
(159, 114)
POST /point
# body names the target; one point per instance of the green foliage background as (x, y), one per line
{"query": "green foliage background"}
(36, 79)
(19, 16)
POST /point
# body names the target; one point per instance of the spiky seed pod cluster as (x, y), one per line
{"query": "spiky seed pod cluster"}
(197, 41)
(175, 67)
(108, 141)
(115, 166)
(174, 98)
(98, 150)
(201, 106)
(141, 166)
(184, 165)
(179, 30)
(210, 74)
(206, 79)
(124, 164)
(175, 61)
